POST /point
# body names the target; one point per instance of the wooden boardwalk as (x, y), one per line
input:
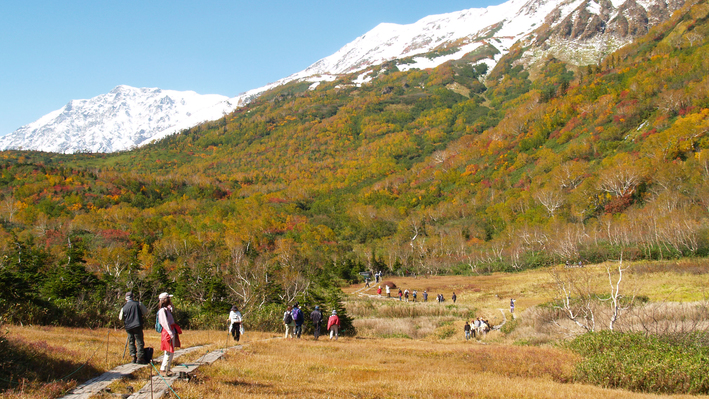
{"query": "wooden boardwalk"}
(96, 385)
(158, 386)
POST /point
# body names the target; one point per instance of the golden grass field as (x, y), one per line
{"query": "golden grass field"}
(401, 350)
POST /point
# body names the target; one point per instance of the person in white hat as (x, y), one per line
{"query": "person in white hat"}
(169, 338)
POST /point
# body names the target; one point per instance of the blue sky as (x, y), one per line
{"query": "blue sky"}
(55, 51)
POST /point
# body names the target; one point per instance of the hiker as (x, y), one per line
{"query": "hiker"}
(476, 325)
(406, 294)
(170, 334)
(400, 294)
(466, 329)
(333, 325)
(132, 315)
(454, 297)
(414, 295)
(379, 290)
(388, 290)
(425, 296)
(316, 317)
(366, 282)
(512, 306)
(235, 323)
(288, 322)
(298, 318)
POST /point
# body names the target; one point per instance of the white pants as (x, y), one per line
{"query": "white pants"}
(289, 331)
(335, 330)
(166, 361)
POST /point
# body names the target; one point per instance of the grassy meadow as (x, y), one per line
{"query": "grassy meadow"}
(401, 349)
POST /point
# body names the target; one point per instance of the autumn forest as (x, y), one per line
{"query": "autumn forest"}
(452, 170)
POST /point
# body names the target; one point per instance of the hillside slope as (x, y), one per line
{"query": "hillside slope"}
(425, 171)
(579, 32)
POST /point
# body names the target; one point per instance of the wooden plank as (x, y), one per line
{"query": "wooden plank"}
(97, 384)
(159, 385)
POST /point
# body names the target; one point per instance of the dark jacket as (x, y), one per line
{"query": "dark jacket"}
(132, 315)
(316, 316)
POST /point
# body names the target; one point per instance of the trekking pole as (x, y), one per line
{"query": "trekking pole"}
(124, 348)
(108, 339)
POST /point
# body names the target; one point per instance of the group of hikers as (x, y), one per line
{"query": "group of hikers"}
(405, 294)
(132, 316)
(476, 328)
(293, 319)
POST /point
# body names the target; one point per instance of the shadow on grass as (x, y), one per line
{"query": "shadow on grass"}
(237, 383)
(34, 363)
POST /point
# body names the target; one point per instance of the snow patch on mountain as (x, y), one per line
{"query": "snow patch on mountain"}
(124, 118)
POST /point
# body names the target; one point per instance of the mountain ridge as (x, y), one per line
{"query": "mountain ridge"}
(579, 32)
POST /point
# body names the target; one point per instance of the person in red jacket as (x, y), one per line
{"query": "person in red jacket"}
(169, 337)
(333, 324)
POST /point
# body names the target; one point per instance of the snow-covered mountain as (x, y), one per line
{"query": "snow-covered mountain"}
(124, 118)
(580, 32)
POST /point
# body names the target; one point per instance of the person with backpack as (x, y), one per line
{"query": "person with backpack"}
(388, 290)
(132, 315)
(333, 325)
(235, 323)
(288, 322)
(454, 297)
(316, 317)
(169, 334)
(299, 319)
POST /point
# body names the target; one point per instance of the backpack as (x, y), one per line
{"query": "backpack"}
(158, 326)
(298, 315)
(148, 355)
(288, 318)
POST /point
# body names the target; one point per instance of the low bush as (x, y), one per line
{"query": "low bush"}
(638, 362)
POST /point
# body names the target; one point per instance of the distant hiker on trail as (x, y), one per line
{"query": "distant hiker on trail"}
(425, 296)
(400, 294)
(379, 290)
(316, 317)
(299, 318)
(132, 315)
(170, 334)
(512, 305)
(333, 325)
(406, 294)
(414, 295)
(388, 290)
(235, 323)
(366, 282)
(289, 322)
(454, 297)
(466, 329)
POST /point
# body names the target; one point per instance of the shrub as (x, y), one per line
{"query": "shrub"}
(637, 362)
